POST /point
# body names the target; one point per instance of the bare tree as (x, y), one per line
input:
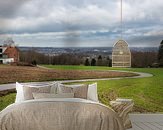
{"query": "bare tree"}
(160, 54)
(143, 59)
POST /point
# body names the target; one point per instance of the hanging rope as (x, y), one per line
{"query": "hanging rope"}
(121, 21)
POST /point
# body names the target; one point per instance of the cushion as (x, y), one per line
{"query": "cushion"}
(28, 91)
(71, 85)
(20, 93)
(92, 92)
(47, 95)
(79, 92)
(54, 88)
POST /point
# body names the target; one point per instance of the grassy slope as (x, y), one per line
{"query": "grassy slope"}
(81, 67)
(6, 100)
(146, 92)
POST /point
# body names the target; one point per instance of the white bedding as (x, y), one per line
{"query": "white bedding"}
(79, 100)
(59, 114)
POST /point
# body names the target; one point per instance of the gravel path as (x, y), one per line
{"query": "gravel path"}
(141, 75)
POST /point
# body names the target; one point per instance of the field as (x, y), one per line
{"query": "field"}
(11, 74)
(147, 93)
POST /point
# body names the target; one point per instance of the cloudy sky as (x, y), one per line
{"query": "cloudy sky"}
(81, 23)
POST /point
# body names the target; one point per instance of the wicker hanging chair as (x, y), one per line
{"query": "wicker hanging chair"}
(121, 55)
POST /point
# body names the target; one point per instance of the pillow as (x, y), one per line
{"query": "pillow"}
(71, 85)
(29, 90)
(79, 92)
(47, 95)
(38, 85)
(92, 92)
(54, 88)
(20, 93)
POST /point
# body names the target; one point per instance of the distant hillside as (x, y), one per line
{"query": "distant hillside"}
(85, 50)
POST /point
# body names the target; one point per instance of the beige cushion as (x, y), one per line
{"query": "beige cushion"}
(54, 88)
(29, 90)
(92, 92)
(79, 92)
(47, 95)
(20, 91)
(71, 85)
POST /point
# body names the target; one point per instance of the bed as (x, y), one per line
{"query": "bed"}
(59, 111)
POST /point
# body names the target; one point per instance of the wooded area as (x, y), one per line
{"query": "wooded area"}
(139, 59)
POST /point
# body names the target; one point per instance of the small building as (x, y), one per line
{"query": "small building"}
(121, 55)
(9, 54)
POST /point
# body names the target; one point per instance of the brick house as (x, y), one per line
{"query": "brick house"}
(9, 54)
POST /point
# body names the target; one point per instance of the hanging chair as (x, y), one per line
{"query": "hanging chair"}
(121, 55)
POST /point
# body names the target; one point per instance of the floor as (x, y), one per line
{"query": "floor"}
(147, 121)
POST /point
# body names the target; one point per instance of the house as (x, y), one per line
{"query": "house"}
(121, 55)
(9, 54)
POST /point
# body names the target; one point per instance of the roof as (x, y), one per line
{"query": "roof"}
(9, 49)
(161, 42)
(121, 43)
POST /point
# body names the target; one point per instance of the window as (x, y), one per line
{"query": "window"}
(5, 56)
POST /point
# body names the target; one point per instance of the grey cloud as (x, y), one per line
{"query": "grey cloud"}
(55, 16)
(9, 7)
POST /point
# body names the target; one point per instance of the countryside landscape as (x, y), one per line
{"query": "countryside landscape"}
(81, 65)
(146, 92)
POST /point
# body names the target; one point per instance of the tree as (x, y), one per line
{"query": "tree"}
(160, 54)
(87, 62)
(8, 42)
(99, 61)
(34, 62)
(32, 55)
(93, 62)
(143, 59)
(109, 62)
(99, 57)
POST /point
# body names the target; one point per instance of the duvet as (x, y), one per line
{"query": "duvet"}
(59, 114)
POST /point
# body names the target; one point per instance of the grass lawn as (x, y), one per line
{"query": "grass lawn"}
(80, 67)
(146, 92)
(7, 100)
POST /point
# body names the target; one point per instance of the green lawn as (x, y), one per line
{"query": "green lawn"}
(6, 100)
(147, 93)
(81, 67)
